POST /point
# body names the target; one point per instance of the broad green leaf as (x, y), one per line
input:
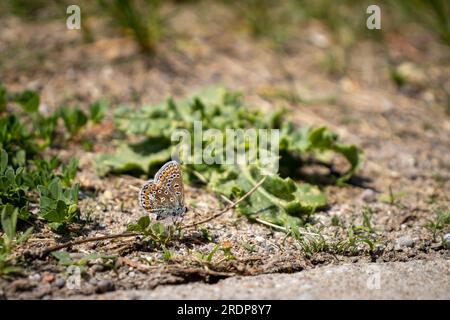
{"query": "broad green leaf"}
(57, 214)
(144, 222)
(279, 201)
(145, 156)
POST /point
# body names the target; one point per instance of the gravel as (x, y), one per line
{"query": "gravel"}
(60, 282)
(369, 195)
(104, 286)
(404, 242)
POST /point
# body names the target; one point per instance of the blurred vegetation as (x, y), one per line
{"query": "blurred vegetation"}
(141, 17)
(432, 14)
(28, 177)
(263, 18)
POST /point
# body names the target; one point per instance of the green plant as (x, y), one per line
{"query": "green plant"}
(10, 239)
(433, 14)
(367, 218)
(98, 110)
(58, 205)
(141, 17)
(225, 247)
(74, 119)
(156, 233)
(69, 172)
(358, 235)
(392, 197)
(167, 254)
(28, 100)
(311, 240)
(439, 224)
(208, 256)
(3, 98)
(278, 200)
(64, 258)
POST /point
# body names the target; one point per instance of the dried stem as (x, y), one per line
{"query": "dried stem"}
(230, 206)
(91, 239)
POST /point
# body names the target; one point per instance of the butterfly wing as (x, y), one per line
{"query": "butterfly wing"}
(173, 184)
(147, 198)
(164, 196)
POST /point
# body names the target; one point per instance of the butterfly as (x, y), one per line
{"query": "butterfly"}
(163, 197)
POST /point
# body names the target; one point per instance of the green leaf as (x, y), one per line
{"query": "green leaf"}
(3, 160)
(98, 110)
(63, 257)
(69, 171)
(279, 201)
(212, 253)
(168, 255)
(3, 98)
(74, 119)
(25, 236)
(9, 221)
(56, 214)
(28, 100)
(144, 222)
(140, 157)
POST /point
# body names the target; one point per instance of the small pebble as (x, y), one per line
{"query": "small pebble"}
(98, 268)
(369, 195)
(35, 277)
(104, 286)
(107, 194)
(59, 282)
(404, 241)
(259, 239)
(93, 281)
(132, 274)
